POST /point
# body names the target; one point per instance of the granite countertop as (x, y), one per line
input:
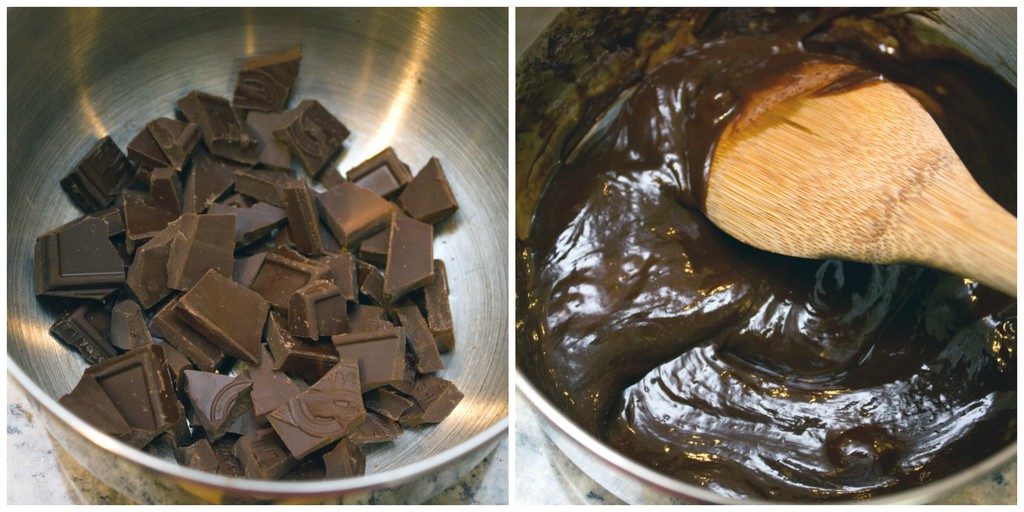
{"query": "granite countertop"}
(39, 475)
(545, 476)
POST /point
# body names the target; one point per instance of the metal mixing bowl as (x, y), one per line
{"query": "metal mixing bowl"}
(429, 82)
(552, 117)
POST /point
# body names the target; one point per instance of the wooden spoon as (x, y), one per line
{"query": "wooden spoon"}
(861, 173)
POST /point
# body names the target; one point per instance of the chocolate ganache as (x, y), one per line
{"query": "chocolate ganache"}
(748, 373)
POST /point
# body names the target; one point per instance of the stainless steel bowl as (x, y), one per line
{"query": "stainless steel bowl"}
(429, 82)
(561, 118)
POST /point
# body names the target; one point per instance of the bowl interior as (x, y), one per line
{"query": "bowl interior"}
(428, 82)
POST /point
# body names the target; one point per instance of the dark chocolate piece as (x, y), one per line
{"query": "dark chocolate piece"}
(376, 429)
(303, 222)
(428, 197)
(309, 359)
(193, 345)
(228, 314)
(217, 400)
(372, 284)
(437, 398)
(246, 423)
(318, 309)
(227, 464)
(263, 185)
(324, 413)
(176, 139)
(89, 402)
(382, 173)
(142, 221)
(145, 150)
(353, 213)
(140, 386)
(270, 388)
(87, 328)
(410, 257)
(273, 153)
(265, 82)
(97, 179)
(381, 355)
(199, 246)
(346, 459)
(253, 223)
(420, 340)
(263, 455)
(412, 417)
(177, 363)
(374, 249)
(199, 455)
(112, 216)
(210, 178)
(364, 317)
(224, 132)
(78, 260)
(147, 276)
(343, 274)
(165, 190)
(439, 314)
(282, 273)
(246, 268)
(128, 328)
(313, 135)
(387, 403)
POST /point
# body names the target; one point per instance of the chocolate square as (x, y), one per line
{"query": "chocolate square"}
(265, 82)
(428, 197)
(87, 328)
(313, 135)
(382, 173)
(353, 213)
(238, 329)
(224, 132)
(77, 260)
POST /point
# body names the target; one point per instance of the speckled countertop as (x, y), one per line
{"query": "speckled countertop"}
(545, 476)
(39, 475)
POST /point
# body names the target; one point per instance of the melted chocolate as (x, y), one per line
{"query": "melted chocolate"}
(754, 374)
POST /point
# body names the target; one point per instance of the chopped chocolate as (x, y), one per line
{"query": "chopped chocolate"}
(128, 328)
(89, 402)
(346, 459)
(330, 242)
(273, 153)
(343, 274)
(177, 363)
(224, 132)
(265, 82)
(303, 222)
(145, 150)
(193, 345)
(142, 221)
(330, 177)
(217, 400)
(176, 139)
(324, 413)
(364, 317)
(374, 249)
(387, 403)
(421, 341)
(382, 173)
(246, 423)
(78, 260)
(313, 135)
(439, 314)
(413, 417)
(198, 247)
(228, 314)
(409, 379)
(247, 267)
(437, 398)
(428, 197)
(263, 185)
(270, 388)
(227, 464)
(112, 216)
(165, 190)
(263, 455)
(210, 178)
(373, 284)
(99, 177)
(318, 309)
(381, 355)
(253, 223)
(410, 257)
(376, 429)
(87, 328)
(353, 213)
(284, 271)
(147, 276)
(309, 359)
(199, 455)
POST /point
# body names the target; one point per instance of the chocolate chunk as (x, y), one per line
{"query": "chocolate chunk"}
(112, 216)
(253, 223)
(227, 464)
(437, 398)
(187, 340)
(381, 355)
(87, 328)
(270, 388)
(439, 314)
(273, 153)
(177, 363)
(310, 359)
(372, 284)
(263, 185)
(263, 455)
(199, 455)
(389, 404)
(246, 423)
(343, 274)
(316, 310)
(346, 459)
(413, 417)
(324, 413)
(224, 132)
(428, 197)
(353, 213)
(331, 244)
(409, 379)
(313, 135)
(330, 177)
(140, 386)
(247, 267)
(303, 222)
(89, 402)
(382, 173)
(128, 327)
(99, 177)
(218, 400)
(165, 190)
(421, 341)
(228, 314)
(145, 150)
(78, 260)
(364, 317)
(210, 178)
(199, 246)
(142, 221)
(176, 139)
(147, 276)
(410, 257)
(376, 429)
(374, 249)
(282, 273)
(265, 82)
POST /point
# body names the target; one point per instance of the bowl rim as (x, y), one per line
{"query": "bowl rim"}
(262, 488)
(678, 489)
